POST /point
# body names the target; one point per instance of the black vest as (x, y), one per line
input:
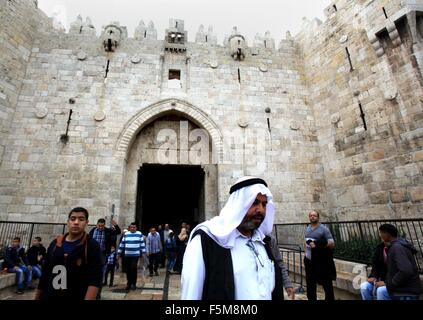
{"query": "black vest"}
(219, 283)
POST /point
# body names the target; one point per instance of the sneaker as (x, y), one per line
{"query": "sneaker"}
(127, 288)
(156, 273)
(151, 274)
(134, 287)
(30, 288)
(19, 291)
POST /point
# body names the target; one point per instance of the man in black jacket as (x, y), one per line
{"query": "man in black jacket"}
(402, 279)
(106, 238)
(375, 286)
(16, 261)
(73, 269)
(36, 255)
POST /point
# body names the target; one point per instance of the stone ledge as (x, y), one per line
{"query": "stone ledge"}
(7, 280)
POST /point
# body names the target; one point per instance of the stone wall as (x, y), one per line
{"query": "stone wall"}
(373, 171)
(108, 86)
(290, 114)
(17, 24)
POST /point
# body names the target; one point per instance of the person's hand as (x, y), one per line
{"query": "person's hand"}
(30, 268)
(379, 284)
(113, 222)
(330, 245)
(15, 268)
(371, 280)
(312, 245)
(291, 293)
(39, 258)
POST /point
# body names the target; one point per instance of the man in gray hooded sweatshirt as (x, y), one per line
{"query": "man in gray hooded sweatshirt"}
(402, 279)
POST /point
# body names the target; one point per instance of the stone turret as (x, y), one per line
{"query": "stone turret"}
(151, 31)
(81, 27)
(206, 37)
(140, 31)
(112, 35)
(269, 42)
(237, 45)
(176, 37)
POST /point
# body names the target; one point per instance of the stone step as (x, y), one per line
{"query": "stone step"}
(7, 280)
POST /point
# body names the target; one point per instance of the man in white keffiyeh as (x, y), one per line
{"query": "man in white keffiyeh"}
(227, 257)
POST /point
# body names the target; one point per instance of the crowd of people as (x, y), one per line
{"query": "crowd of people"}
(91, 259)
(230, 257)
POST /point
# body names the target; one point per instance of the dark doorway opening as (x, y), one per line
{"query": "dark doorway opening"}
(169, 194)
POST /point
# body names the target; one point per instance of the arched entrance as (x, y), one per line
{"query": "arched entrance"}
(169, 177)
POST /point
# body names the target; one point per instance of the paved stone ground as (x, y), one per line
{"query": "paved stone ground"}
(148, 288)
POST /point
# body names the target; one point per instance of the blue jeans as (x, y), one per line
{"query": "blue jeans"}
(171, 259)
(20, 272)
(368, 292)
(36, 272)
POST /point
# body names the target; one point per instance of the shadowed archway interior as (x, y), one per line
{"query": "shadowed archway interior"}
(169, 194)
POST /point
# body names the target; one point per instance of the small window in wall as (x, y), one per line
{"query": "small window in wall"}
(174, 74)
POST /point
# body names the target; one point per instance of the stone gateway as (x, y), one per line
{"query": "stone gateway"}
(159, 129)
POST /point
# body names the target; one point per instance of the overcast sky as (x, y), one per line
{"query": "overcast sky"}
(250, 16)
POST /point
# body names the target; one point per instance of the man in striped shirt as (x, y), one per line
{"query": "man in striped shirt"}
(131, 248)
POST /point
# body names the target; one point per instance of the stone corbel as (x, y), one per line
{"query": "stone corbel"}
(393, 34)
(377, 46)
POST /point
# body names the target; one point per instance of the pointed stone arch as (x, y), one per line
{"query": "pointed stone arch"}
(155, 111)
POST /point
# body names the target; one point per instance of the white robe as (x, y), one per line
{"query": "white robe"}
(254, 276)
(252, 280)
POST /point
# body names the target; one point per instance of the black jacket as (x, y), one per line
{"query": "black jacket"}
(110, 237)
(403, 276)
(84, 268)
(33, 254)
(15, 257)
(379, 268)
(323, 266)
(219, 282)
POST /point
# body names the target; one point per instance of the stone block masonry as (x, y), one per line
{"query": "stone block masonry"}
(331, 118)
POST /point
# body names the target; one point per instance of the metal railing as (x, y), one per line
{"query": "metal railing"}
(292, 257)
(27, 231)
(356, 240)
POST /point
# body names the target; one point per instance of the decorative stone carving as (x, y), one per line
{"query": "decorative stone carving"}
(335, 118)
(99, 116)
(41, 112)
(263, 67)
(81, 55)
(343, 39)
(243, 123)
(136, 58)
(214, 64)
(237, 45)
(295, 125)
